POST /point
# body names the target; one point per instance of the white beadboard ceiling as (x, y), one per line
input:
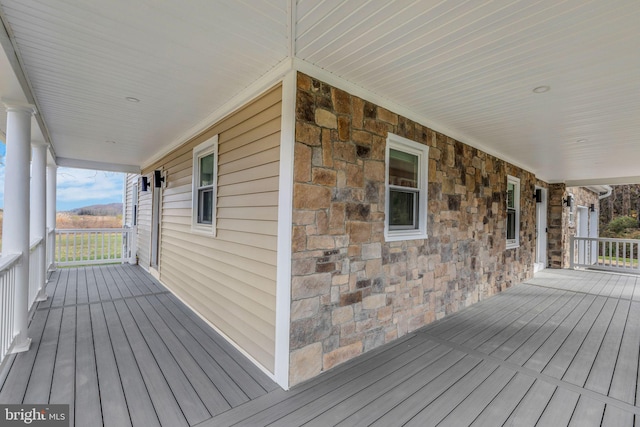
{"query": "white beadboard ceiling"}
(466, 68)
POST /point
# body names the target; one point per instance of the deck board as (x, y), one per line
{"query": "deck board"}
(562, 349)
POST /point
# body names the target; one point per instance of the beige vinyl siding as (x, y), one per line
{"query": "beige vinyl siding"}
(144, 227)
(130, 180)
(229, 279)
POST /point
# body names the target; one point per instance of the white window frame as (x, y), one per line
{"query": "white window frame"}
(208, 147)
(399, 143)
(513, 243)
(572, 209)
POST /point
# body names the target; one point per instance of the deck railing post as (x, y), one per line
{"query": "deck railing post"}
(572, 251)
(15, 227)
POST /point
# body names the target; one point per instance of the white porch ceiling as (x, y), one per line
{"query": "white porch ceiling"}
(466, 68)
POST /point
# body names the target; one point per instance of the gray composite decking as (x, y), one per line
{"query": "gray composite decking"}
(560, 350)
(122, 351)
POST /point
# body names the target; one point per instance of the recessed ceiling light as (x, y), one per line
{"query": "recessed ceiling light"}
(110, 142)
(583, 140)
(541, 89)
(132, 99)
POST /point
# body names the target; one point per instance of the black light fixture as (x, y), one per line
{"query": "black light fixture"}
(568, 201)
(158, 179)
(592, 207)
(145, 184)
(538, 195)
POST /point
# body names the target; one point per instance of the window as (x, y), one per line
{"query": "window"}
(406, 189)
(205, 162)
(513, 212)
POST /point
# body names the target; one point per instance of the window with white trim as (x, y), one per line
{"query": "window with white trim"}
(205, 180)
(406, 189)
(513, 212)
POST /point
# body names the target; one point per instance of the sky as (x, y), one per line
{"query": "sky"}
(78, 187)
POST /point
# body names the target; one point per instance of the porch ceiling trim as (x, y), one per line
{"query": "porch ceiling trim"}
(609, 181)
(86, 164)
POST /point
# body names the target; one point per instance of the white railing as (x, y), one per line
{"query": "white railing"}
(8, 264)
(605, 254)
(36, 274)
(51, 248)
(91, 246)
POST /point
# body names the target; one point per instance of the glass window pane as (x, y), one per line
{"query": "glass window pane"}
(205, 206)
(206, 170)
(403, 169)
(511, 224)
(402, 209)
(511, 195)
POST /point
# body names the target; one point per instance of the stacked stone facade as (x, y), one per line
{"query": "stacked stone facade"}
(561, 227)
(351, 290)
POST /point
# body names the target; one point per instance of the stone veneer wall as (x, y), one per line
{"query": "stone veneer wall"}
(561, 229)
(351, 290)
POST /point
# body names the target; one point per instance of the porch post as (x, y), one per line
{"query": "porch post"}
(15, 228)
(52, 176)
(39, 212)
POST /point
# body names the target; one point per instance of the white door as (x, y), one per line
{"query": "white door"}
(541, 232)
(156, 210)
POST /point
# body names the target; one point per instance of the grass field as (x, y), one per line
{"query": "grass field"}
(85, 246)
(618, 261)
(88, 246)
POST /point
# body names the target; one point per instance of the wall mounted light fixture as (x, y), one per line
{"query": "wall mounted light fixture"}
(145, 184)
(592, 207)
(568, 201)
(537, 196)
(158, 179)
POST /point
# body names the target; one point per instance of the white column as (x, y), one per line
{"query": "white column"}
(15, 227)
(52, 176)
(39, 211)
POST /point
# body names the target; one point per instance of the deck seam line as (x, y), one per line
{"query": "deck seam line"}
(580, 292)
(102, 301)
(540, 376)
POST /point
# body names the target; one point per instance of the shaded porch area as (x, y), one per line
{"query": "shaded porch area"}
(122, 350)
(561, 349)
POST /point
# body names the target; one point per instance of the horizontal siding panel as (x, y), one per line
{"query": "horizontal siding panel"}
(250, 162)
(235, 281)
(271, 113)
(269, 128)
(269, 213)
(263, 144)
(266, 256)
(250, 187)
(269, 98)
(253, 240)
(249, 200)
(227, 319)
(262, 269)
(181, 204)
(259, 172)
(269, 228)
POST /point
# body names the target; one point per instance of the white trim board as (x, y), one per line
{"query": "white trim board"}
(86, 164)
(285, 219)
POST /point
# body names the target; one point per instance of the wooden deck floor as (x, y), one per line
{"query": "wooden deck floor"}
(121, 350)
(560, 350)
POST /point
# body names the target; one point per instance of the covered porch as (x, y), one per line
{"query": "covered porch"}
(560, 349)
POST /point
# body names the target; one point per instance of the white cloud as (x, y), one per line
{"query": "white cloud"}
(80, 187)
